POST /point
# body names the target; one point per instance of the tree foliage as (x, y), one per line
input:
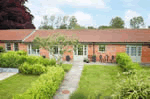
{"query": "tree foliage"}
(136, 22)
(91, 27)
(15, 15)
(45, 23)
(56, 39)
(117, 22)
(105, 27)
(73, 22)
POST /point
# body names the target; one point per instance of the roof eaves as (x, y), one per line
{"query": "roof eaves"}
(28, 35)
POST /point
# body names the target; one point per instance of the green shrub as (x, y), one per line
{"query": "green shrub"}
(1, 49)
(20, 52)
(46, 85)
(123, 59)
(134, 87)
(38, 69)
(10, 60)
(48, 62)
(35, 69)
(40, 60)
(33, 59)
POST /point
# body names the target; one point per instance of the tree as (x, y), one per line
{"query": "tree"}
(15, 15)
(117, 22)
(91, 27)
(55, 39)
(105, 27)
(73, 22)
(63, 26)
(136, 22)
(58, 22)
(45, 23)
(52, 19)
(77, 26)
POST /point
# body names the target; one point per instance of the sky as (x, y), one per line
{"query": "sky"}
(91, 12)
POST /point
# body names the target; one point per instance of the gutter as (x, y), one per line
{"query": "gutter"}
(29, 35)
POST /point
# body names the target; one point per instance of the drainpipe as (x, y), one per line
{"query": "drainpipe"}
(93, 48)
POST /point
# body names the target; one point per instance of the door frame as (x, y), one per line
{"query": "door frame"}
(137, 46)
(84, 56)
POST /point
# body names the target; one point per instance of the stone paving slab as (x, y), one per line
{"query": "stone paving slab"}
(70, 82)
(5, 75)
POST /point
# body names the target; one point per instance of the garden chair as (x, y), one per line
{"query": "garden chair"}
(101, 58)
(106, 58)
(112, 59)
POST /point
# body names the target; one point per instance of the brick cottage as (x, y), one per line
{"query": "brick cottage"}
(135, 42)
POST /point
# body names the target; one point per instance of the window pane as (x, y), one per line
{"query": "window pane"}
(16, 46)
(127, 50)
(56, 50)
(139, 51)
(85, 48)
(133, 51)
(101, 47)
(80, 50)
(8, 46)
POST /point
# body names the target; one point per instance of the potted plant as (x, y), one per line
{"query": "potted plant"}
(87, 61)
(94, 58)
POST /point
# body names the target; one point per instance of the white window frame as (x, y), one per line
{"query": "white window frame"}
(14, 46)
(6, 47)
(31, 50)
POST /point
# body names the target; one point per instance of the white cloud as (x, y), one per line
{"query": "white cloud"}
(80, 3)
(147, 22)
(129, 15)
(84, 19)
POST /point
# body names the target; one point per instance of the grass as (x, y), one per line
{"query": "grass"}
(16, 84)
(96, 82)
(66, 67)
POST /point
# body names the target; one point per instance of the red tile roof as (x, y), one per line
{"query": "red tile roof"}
(112, 35)
(14, 34)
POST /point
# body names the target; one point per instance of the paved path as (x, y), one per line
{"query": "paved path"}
(5, 75)
(70, 83)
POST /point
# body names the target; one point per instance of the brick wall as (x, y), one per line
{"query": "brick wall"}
(109, 50)
(3, 45)
(68, 53)
(44, 52)
(22, 46)
(145, 54)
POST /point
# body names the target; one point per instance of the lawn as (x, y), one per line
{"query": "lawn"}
(66, 67)
(96, 81)
(15, 85)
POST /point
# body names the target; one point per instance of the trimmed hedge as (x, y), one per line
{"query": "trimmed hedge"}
(35, 69)
(125, 62)
(1, 49)
(12, 60)
(46, 85)
(15, 59)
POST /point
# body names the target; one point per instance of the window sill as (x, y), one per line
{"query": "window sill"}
(101, 51)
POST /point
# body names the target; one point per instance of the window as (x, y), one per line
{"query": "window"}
(85, 49)
(16, 47)
(139, 51)
(32, 51)
(133, 51)
(8, 47)
(102, 48)
(127, 50)
(55, 49)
